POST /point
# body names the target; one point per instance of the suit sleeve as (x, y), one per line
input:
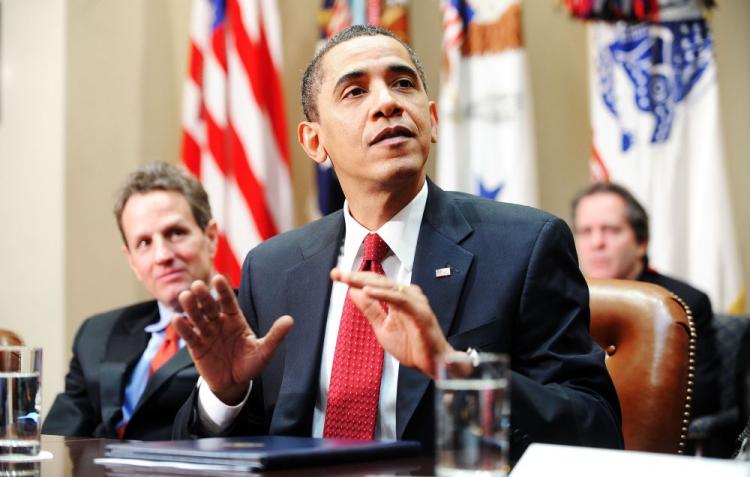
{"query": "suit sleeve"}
(561, 390)
(72, 413)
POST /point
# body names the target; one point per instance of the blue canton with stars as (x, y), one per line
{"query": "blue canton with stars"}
(663, 62)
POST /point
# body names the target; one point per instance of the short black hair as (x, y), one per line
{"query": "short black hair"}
(312, 76)
(635, 213)
(159, 175)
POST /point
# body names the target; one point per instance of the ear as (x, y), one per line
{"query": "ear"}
(434, 122)
(308, 135)
(212, 234)
(129, 256)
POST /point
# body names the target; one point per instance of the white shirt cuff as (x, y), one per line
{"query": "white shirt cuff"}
(214, 416)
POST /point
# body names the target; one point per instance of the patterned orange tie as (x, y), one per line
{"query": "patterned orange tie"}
(168, 348)
(354, 391)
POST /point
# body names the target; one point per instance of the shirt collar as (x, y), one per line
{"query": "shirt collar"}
(400, 232)
(165, 316)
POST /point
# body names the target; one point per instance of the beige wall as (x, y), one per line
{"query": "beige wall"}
(94, 88)
(126, 61)
(732, 35)
(32, 282)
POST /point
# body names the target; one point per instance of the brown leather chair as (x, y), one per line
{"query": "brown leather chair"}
(9, 338)
(9, 360)
(649, 337)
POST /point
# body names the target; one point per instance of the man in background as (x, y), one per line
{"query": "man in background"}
(130, 372)
(417, 272)
(611, 233)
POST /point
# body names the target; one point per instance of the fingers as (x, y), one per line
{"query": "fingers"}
(367, 279)
(202, 307)
(226, 298)
(370, 307)
(360, 279)
(276, 334)
(378, 288)
(185, 330)
(190, 302)
(403, 297)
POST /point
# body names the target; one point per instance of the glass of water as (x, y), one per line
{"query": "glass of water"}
(20, 400)
(472, 412)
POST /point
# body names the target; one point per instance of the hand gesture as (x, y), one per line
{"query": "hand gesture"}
(407, 329)
(224, 349)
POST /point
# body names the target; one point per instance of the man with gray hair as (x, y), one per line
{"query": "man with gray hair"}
(130, 372)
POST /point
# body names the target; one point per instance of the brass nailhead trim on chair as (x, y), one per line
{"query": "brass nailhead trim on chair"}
(691, 373)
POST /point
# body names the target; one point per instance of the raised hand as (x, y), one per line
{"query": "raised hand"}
(407, 329)
(224, 349)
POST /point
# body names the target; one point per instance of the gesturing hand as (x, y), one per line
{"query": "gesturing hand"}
(408, 329)
(224, 349)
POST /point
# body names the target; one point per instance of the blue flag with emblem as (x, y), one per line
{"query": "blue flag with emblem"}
(657, 131)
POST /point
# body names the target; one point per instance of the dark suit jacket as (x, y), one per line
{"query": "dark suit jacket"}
(106, 349)
(514, 288)
(707, 365)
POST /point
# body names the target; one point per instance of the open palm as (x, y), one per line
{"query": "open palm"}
(226, 352)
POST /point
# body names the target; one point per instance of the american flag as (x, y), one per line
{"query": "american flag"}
(234, 126)
(486, 145)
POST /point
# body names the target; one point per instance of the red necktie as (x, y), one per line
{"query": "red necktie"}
(354, 391)
(168, 348)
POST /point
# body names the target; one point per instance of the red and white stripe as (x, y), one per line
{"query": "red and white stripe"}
(453, 28)
(341, 18)
(234, 126)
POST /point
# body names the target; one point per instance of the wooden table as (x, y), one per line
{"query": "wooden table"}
(75, 457)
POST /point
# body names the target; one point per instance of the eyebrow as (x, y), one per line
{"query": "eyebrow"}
(357, 74)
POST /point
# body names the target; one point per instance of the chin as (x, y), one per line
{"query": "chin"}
(599, 274)
(169, 296)
(404, 169)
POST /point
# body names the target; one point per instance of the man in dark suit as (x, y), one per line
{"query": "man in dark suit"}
(458, 272)
(130, 372)
(611, 231)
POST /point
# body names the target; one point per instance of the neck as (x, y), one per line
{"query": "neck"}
(374, 207)
(636, 271)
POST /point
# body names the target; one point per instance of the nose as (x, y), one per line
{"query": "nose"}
(386, 103)
(163, 252)
(597, 239)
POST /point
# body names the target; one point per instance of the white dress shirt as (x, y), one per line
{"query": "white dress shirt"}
(400, 233)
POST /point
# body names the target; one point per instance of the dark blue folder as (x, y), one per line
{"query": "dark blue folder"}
(263, 452)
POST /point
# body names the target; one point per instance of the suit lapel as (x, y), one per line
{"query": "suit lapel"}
(125, 346)
(443, 228)
(309, 291)
(178, 362)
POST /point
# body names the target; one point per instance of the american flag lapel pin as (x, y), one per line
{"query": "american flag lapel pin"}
(443, 272)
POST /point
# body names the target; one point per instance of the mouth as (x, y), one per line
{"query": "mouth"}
(170, 275)
(391, 133)
(599, 263)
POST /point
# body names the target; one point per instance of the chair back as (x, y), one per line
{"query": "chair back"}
(715, 434)
(649, 340)
(731, 337)
(9, 360)
(9, 338)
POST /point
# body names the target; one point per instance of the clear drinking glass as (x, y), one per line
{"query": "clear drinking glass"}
(472, 412)
(20, 400)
